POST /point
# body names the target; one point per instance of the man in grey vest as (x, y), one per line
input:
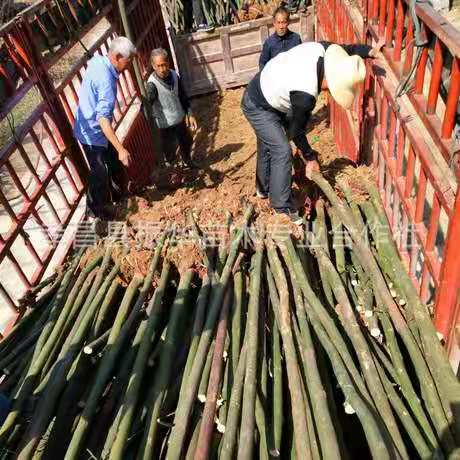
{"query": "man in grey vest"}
(170, 108)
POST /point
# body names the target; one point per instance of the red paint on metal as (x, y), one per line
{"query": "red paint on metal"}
(452, 101)
(420, 73)
(436, 74)
(390, 23)
(399, 31)
(409, 48)
(448, 291)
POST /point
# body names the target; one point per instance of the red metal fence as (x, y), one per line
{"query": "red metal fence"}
(410, 138)
(42, 170)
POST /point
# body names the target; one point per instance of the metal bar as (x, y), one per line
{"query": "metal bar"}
(420, 73)
(419, 230)
(403, 240)
(383, 120)
(400, 150)
(17, 182)
(433, 225)
(395, 213)
(392, 136)
(19, 270)
(409, 48)
(67, 108)
(400, 18)
(449, 282)
(9, 301)
(40, 148)
(382, 16)
(390, 23)
(421, 197)
(31, 249)
(41, 224)
(409, 173)
(20, 64)
(436, 74)
(452, 101)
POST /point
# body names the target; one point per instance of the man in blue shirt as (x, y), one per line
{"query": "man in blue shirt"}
(106, 155)
(282, 40)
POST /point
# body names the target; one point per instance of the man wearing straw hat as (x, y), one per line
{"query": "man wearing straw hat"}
(287, 88)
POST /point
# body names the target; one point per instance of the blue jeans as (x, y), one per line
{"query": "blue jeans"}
(107, 180)
(274, 154)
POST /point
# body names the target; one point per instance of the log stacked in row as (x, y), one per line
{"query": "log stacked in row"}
(279, 349)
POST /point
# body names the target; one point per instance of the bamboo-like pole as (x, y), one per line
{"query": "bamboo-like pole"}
(452, 390)
(377, 444)
(198, 323)
(246, 444)
(283, 318)
(326, 320)
(276, 424)
(434, 352)
(42, 349)
(369, 370)
(411, 427)
(326, 432)
(163, 376)
(209, 412)
(132, 393)
(115, 342)
(234, 409)
(181, 419)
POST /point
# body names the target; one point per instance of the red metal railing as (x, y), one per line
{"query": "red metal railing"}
(435, 92)
(410, 140)
(42, 170)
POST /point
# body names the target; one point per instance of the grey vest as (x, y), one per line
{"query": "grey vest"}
(167, 109)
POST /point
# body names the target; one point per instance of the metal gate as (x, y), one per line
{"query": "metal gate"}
(42, 169)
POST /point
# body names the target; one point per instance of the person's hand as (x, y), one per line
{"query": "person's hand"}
(191, 123)
(124, 156)
(311, 167)
(377, 48)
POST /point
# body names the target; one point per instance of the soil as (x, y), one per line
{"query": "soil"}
(225, 151)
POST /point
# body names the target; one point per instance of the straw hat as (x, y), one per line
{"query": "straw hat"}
(343, 74)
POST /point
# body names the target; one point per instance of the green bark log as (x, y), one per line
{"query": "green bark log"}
(181, 419)
(246, 444)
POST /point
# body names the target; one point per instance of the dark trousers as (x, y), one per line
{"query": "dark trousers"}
(171, 138)
(198, 12)
(107, 181)
(274, 155)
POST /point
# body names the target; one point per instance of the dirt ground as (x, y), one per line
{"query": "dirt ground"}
(225, 150)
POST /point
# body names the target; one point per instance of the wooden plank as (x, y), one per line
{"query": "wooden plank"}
(227, 53)
(214, 54)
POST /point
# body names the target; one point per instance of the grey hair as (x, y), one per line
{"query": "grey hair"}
(158, 52)
(122, 46)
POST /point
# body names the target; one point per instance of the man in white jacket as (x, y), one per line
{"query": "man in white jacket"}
(278, 103)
